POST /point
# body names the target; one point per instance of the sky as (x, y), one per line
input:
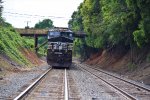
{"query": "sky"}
(19, 12)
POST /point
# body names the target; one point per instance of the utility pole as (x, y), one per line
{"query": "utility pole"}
(27, 27)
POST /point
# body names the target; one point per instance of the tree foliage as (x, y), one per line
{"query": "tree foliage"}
(1, 7)
(111, 22)
(46, 23)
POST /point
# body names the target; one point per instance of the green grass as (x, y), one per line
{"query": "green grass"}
(42, 51)
(11, 43)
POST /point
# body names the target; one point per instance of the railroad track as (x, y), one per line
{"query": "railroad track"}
(127, 88)
(142, 86)
(53, 84)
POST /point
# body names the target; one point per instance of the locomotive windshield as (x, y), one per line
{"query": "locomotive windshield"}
(53, 34)
(67, 34)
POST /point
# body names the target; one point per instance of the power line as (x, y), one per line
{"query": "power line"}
(18, 16)
(29, 15)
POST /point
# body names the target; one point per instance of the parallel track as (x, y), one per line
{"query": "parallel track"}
(116, 86)
(146, 88)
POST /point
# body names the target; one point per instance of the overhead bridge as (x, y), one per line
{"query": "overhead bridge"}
(31, 32)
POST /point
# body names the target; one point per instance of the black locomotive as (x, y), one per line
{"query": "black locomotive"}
(60, 44)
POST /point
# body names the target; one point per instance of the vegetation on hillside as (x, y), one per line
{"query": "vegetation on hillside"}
(109, 23)
(16, 47)
(11, 42)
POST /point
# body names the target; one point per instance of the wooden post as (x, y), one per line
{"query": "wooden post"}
(36, 42)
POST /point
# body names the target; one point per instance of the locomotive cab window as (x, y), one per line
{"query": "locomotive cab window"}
(53, 34)
(67, 34)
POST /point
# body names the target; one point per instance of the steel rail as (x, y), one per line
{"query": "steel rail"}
(29, 88)
(121, 91)
(66, 86)
(120, 78)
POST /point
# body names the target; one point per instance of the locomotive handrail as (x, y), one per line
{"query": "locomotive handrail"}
(42, 44)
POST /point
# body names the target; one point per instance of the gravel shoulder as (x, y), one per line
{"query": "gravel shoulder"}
(15, 82)
(91, 88)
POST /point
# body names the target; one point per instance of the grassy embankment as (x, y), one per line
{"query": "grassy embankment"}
(11, 43)
(15, 48)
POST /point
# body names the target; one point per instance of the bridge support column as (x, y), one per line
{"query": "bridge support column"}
(36, 43)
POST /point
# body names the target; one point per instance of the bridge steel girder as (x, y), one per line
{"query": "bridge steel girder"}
(35, 39)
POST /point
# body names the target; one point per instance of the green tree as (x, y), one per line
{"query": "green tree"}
(1, 7)
(141, 9)
(76, 25)
(109, 23)
(46, 23)
(76, 22)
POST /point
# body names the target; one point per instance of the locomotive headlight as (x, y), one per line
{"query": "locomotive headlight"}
(49, 46)
(66, 50)
(70, 46)
(60, 47)
(64, 46)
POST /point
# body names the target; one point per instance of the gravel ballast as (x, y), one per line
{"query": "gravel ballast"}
(15, 82)
(92, 89)
(88, 86)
